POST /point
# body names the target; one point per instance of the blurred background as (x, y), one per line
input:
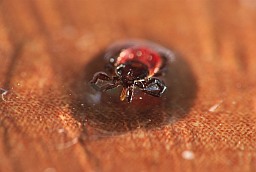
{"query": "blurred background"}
(47, 47)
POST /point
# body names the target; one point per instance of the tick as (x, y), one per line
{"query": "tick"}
(134, 64)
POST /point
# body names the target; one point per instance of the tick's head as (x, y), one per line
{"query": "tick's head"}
(131, 71)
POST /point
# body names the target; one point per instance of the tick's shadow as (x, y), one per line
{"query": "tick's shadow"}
(105, 113)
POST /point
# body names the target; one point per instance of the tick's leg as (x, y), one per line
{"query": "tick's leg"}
(129, 94)
(154, 87)
(100, 76)
(108, 86)
(104, 78)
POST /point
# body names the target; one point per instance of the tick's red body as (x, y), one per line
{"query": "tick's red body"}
(134, 64)
(141, 54)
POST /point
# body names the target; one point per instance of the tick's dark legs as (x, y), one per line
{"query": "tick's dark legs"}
(152, 86)
(100, 76)
(129, 93)
(101, 81)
